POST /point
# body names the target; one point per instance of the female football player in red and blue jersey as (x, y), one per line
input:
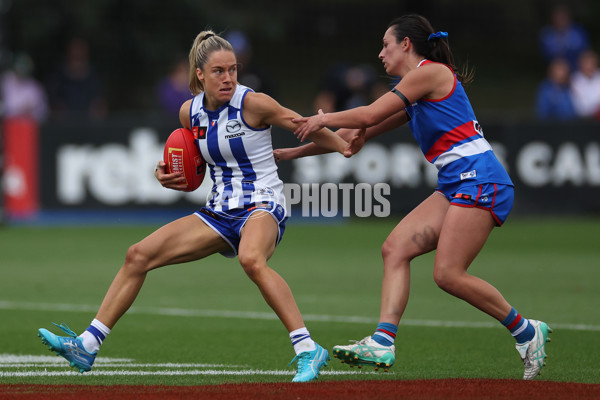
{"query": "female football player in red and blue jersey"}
(474, 191)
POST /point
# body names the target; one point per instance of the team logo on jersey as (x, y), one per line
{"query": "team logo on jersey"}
(478, 127)
(233, 126)
(199, 132)
(213, 122)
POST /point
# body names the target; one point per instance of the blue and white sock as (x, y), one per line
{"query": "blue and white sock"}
(519, 327)
(302, 341)
(94, 335)
(385, 334)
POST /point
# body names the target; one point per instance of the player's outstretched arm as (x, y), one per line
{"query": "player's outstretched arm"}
(416, 84)
(260, 110)
(312, 149)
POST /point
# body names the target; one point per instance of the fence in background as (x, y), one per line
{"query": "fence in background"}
(109, 166)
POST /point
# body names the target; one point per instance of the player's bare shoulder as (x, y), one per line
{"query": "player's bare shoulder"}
(258, 108)
(259, 102)
(430, 81)
(184, 114)
(436, 71)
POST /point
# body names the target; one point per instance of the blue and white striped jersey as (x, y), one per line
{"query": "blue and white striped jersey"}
(240, 158)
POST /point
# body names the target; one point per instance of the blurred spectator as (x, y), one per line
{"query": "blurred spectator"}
(563, 38)
(585, 86)
(174, 90)
(554, 99)
(22, 95)
(348, 86)
(74, 88)
(250, 73)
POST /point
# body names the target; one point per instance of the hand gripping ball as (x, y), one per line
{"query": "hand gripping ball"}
(182, 154)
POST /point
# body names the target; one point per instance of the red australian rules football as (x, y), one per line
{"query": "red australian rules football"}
(183, 155)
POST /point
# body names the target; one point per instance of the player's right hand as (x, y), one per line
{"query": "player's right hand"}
(175, 181)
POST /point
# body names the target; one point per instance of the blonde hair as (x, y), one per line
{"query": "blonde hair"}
(204, 45)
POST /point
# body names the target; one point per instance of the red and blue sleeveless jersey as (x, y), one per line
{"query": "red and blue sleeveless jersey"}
(450, 137)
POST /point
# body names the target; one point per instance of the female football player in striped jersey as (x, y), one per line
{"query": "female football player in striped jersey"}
(474, 191)
(245, 215)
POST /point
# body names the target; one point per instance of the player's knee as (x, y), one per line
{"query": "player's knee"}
(389, 250)
(135, 260)
(386, 250)
(394, 254)
(445, 279)
(252, 262)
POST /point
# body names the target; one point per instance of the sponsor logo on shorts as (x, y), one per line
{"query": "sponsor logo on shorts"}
(266, 191)
(468, 175)
(279, 211)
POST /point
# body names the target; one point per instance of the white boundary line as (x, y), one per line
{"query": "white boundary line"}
(20, 360)
(180, 312)
(125, 367)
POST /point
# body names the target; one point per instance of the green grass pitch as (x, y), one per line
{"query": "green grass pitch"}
(206, 323)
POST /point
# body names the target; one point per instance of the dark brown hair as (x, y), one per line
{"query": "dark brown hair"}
(418, 29)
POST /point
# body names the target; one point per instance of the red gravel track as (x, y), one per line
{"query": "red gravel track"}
(447, 389)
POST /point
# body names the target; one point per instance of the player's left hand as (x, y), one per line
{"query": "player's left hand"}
(310, 125)
(356, 143)
(287, 153)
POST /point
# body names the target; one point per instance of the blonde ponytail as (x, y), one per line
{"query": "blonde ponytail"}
(204, 45)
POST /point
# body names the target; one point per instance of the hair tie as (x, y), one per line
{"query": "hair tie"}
(438, 35)
(207, 36)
